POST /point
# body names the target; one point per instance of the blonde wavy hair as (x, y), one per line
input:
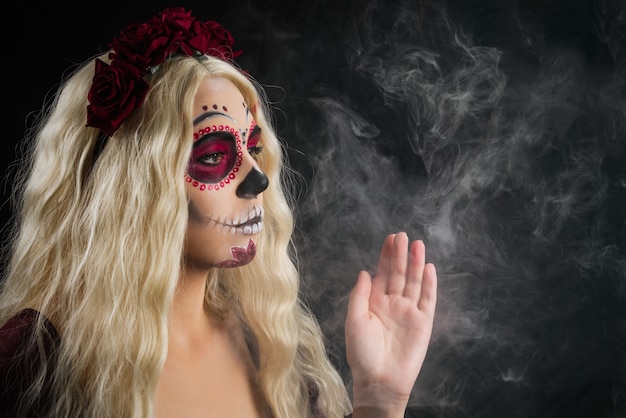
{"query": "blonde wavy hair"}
(98, 249)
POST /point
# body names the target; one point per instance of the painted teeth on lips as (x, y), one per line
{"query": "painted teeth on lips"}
(250, 223)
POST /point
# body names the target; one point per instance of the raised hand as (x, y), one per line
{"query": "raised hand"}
(388, 327)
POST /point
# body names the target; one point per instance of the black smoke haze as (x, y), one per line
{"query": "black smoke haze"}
(493, 130)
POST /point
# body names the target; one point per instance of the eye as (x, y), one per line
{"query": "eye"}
(255, 151)
(214, 158)
(254, 148)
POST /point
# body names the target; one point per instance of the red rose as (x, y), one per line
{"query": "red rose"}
(221, 40)
(177, 18)
(221, 35)
(145, 45)
(117, 90)
(210, 38)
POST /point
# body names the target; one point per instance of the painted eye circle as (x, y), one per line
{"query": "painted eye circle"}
(213, 157)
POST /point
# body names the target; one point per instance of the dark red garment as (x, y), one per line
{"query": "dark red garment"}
(20, 363)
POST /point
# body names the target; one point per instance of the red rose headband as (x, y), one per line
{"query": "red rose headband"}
(118, 88)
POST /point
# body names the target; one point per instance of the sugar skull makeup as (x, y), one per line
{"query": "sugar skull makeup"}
(215, 154)
(225, 183)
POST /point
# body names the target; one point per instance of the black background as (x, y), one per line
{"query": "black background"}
(493, 130)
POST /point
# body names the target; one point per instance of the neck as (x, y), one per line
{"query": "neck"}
(189, 316)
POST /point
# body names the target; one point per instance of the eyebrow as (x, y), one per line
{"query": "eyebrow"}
(213, 134)
(207, 115)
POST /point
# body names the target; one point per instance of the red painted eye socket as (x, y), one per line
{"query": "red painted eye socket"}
(213, 157)
(255, 136)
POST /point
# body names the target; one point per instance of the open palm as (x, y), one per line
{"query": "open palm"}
(389, 324)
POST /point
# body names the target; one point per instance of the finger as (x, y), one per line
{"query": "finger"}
(384, 260)
(381, 278)
(358, 305)
(417, 257)
(428, 297)
(397, 276)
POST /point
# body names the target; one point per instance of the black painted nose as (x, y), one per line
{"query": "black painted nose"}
(254, 183)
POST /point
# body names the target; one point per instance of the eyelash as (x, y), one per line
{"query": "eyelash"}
(255, 151)
(219, 156)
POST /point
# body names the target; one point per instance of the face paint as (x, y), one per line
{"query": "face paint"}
(215, 155)
(253, 142)
(254, 183)
(249, 222)
(217, 149)
(224, 181)
(241, 256)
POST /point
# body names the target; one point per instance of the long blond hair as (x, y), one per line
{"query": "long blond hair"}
(98, 250)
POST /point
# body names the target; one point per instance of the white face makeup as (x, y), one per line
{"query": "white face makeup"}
(224, 182)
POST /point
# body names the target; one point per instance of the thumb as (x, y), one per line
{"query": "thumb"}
(359, 297)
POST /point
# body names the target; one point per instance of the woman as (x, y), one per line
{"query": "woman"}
(152, 271)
